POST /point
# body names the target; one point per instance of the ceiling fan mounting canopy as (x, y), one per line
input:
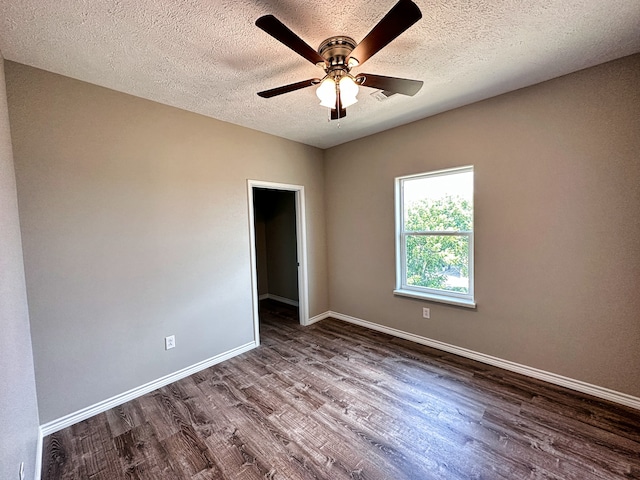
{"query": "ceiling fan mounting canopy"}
(337, 55)
(336, 51)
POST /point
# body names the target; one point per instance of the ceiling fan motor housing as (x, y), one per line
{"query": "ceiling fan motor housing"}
(336, 50)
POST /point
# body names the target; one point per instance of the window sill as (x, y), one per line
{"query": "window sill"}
(460, 302)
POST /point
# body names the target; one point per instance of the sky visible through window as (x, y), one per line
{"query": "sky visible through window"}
(438, 186)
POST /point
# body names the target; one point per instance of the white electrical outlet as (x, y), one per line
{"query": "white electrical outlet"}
(426, 312)
(169, 342)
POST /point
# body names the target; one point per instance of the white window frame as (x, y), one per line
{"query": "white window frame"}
(425, 293)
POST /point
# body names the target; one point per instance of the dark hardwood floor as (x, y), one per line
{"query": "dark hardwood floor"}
(337, 401)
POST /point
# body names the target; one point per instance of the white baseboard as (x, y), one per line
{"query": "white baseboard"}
(577, 385)
(38, 463)
(280, 299)
(317, 318)
(75, 417)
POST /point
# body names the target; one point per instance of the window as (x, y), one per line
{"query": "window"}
(434, 236)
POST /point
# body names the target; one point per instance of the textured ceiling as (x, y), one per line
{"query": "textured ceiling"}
(207, 56)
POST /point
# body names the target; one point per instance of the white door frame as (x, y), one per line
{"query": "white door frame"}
(301, 239)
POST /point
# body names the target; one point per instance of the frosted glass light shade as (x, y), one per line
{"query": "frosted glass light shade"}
(326, 92)
(348, 91)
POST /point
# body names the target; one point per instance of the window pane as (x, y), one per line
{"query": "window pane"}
(438, 261)
(439, 203)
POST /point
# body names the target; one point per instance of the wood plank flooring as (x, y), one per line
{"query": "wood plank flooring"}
(337, 401)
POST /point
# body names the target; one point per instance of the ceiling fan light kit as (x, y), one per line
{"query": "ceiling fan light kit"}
(337, 83)
(337, 55)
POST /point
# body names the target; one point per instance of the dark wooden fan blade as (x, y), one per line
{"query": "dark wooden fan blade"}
(390, 84)
(338, 112)
(281, 32)
(289, 88)
(335, 116)
(404, 14)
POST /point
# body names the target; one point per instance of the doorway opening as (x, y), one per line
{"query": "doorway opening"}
(277, 229)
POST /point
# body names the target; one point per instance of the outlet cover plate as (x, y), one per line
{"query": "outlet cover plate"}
(169, 342)
(426, 312)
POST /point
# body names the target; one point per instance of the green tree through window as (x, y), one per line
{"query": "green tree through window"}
(433, 259)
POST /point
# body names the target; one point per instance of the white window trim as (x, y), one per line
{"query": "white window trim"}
(440, 296)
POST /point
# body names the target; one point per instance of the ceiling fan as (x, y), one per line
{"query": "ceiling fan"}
(339, 54)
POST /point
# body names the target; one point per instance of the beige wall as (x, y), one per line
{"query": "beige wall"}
(557, 218)
(135, 224)
(18, 407)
